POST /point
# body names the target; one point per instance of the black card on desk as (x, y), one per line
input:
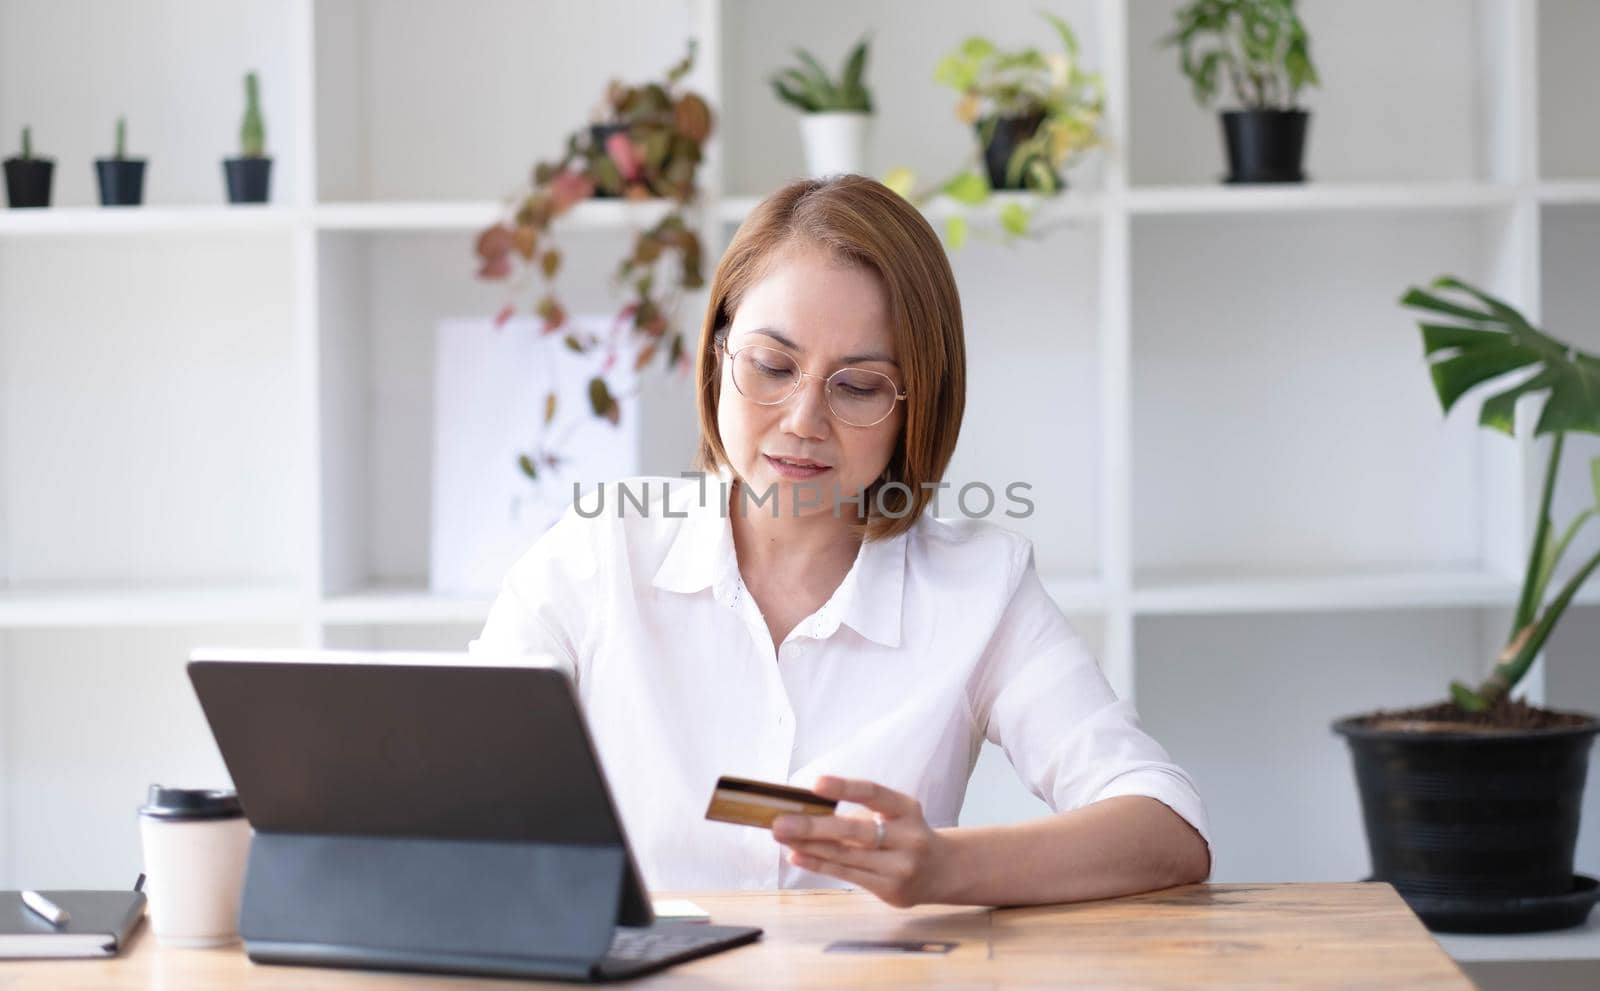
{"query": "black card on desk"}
(100, 923)
(891, 946)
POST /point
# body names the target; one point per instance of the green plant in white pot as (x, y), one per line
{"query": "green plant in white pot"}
(1472, 804)
(1263, 51)
(837, 114)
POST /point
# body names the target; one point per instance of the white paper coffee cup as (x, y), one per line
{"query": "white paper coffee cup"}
(196, 844)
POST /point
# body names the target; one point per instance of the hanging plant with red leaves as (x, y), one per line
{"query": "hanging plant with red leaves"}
(647, 145)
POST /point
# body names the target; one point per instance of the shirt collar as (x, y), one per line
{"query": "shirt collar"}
(702, 556)
(871, 595)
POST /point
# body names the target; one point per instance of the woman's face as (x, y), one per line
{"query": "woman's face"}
(827, 316)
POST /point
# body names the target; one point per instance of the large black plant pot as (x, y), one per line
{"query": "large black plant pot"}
(1476, 830)
(28, 181)
(1001, 135)
(249, 179)
(1265, 145)
(121, 181)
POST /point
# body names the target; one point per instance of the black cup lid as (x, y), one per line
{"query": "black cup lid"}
(191, 803)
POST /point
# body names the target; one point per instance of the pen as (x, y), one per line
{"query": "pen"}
(49, 910)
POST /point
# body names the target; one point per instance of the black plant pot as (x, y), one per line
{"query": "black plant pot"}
(28, 181)
(249, 179)
(1476, 830)
(1265, 145)
(121, 181)
(1003, 134)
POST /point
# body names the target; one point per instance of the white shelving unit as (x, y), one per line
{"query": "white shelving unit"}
(215, 422)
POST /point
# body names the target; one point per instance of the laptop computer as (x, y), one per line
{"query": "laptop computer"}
(431, 812)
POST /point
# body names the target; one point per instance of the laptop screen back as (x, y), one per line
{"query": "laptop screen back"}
(450, 751)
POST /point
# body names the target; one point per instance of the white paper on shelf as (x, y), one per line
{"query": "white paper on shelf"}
(490, 385)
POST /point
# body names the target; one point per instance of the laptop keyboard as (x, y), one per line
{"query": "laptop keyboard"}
(637, 951)
(659, 942)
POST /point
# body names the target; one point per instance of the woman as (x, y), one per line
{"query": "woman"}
(799, 616)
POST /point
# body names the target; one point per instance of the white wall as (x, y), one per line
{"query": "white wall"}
(91, 719)
(148, 408)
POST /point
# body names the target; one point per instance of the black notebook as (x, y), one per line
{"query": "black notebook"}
(99, 924)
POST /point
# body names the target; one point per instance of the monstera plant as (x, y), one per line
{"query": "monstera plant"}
(1482, 339)
(1472, 804)
(648, 146)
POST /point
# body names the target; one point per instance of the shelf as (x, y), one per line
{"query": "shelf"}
(176, 605)
(1569, 191)
(1069, 206)
(250, 219)
(619, 215)
(1580, 943)
(1165, 595)
(396, 216)
(1317, 198)
(399, 606)
(475, 215)
(406, 216)
(191, 605)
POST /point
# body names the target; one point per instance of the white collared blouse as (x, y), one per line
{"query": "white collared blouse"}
(936, 640)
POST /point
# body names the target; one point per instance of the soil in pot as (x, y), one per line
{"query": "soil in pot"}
(1508, 714)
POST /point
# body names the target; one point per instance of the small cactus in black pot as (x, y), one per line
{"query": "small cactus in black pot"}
(121, 178)
(249, 176)
(27, 177)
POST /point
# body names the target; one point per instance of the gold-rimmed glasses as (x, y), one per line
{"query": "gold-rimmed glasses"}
(768, 376)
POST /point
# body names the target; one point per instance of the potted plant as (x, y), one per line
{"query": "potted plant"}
(648, 147)
(249, 177)
(837, 115)
(121, 178)
(1033, 115)
(1264, 50)
(1471, 805)
(27, 177)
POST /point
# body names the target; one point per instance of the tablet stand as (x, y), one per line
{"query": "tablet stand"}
(442, 905)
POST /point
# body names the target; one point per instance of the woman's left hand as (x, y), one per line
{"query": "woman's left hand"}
(909, 868)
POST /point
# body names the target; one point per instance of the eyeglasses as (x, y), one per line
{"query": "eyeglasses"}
(767, 376)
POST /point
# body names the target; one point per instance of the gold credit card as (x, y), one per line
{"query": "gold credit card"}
(757, 803)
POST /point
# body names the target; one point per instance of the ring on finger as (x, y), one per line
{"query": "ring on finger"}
(881, 830)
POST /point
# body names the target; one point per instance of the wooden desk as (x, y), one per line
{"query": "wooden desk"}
(1223, 935)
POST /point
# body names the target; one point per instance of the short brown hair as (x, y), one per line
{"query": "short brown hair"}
(860, 222)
